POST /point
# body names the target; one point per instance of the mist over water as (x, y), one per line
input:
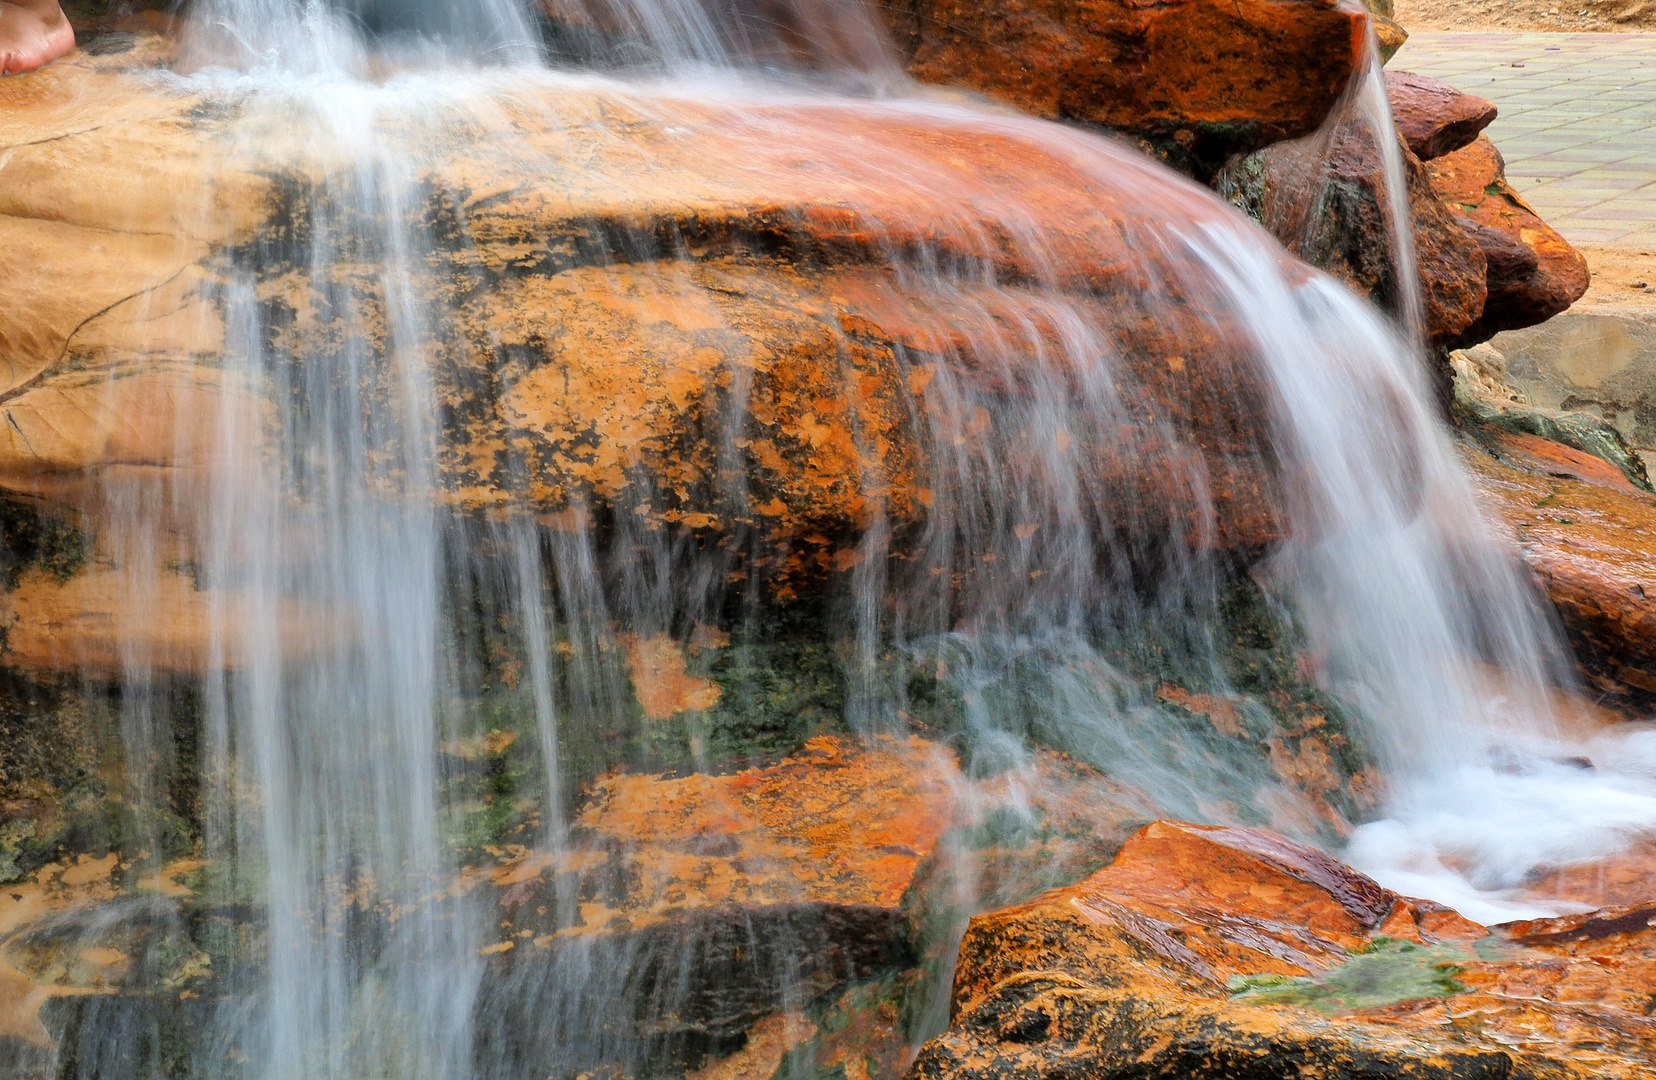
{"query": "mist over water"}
(1045, 596)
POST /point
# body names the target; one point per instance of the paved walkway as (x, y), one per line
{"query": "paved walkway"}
(1577, 124)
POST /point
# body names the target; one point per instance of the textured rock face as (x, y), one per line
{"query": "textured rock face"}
(691, 907)
(1487, 263)
(1388, 34)
(675, 914)
(1206, 952)
(757, 367)
(686, 910)
(836, 823)
(1533, 272)
(1202, 79)
(1433, 117)
(1324, 199)
(1585, 532)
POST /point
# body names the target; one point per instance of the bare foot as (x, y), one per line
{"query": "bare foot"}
(32, 33)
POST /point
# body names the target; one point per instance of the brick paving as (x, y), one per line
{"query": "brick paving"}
(1577, 124)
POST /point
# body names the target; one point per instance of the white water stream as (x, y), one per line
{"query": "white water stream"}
(328, 805)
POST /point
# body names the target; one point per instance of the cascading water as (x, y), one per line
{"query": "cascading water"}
(1105, 422)
(1481, 776)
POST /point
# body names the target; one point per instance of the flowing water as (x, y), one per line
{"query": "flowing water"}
(372, 630)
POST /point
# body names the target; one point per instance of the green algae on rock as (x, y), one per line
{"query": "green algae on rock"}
(1385, 972)
(1225, 953)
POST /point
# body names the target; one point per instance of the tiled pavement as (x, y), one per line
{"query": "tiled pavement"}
(1577, 122)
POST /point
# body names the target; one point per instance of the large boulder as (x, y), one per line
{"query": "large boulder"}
(1433, 117)
(757, 365)
(1486, 261)
(1325, 198)
(1226, 952)
(1534, 273)
(1199, 79)
(722, 898)
(1577, 501)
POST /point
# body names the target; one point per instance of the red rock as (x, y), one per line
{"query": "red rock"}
(1222, 953)
(719, 895)
(1540, 456)
(1472, 182)
(1589, 537)
(1433, 117)
(1202, 78)
(784, 304)
(836, 823)
(1324, 198)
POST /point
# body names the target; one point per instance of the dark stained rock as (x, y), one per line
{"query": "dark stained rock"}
(1200, 79)
(1509, 259)
(1324, 198)
(1486, 261)
(1472, 182)
(1229, 953)
(1433, 117)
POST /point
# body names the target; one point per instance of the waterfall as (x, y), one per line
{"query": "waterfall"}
(394, 585)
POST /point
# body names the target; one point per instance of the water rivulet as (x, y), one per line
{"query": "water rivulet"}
(655, 518)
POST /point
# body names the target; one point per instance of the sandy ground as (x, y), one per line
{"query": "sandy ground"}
(1624, 282)
(1514, 16)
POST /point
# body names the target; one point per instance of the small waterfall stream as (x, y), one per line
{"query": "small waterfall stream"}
(1062, 560)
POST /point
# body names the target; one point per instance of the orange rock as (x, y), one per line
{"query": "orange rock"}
(1169, 895)
(1522, 291)
(104, 620)
(761, 305)
(1586, 534)
(721, 895)
(59, 893)
(1539, 456)
(1624, 880)
(662, 685)
(836, 823)
(1225, 952)
(1205, 78)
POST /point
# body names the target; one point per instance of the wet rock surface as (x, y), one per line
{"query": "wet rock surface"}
(1486, 261)
(1234, 953)
(761, 895)
(690, 908)
(1200, 79)
(667, 927)
(755, 369)
(1433, 117)
(1586, 533)
(1324, 198)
